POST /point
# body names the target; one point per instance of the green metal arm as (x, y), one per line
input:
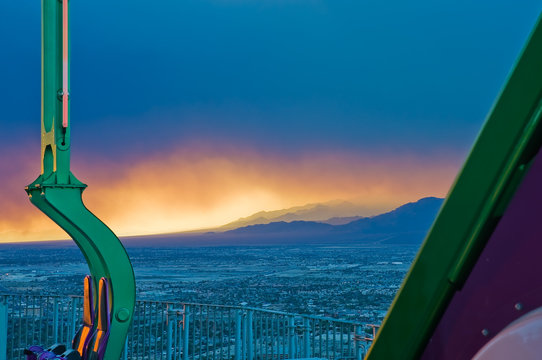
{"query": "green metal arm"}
(57, 193)
(495, 167)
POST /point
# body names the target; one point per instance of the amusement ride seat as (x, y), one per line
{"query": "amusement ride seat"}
(98, 341)
(82, 337)
(90, 341)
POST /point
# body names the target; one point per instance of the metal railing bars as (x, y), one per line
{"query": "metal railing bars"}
(188, 331)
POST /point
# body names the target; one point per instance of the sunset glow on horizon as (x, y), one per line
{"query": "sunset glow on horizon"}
(197, 188)
(221, 109)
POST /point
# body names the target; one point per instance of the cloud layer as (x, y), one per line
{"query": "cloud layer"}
(196, 187)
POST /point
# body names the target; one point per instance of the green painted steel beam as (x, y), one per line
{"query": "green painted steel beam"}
(58, 193)
(500, 156)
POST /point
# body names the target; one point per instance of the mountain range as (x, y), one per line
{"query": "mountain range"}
(332, 212)
(407, 224)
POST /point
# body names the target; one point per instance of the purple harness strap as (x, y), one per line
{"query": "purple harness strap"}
(104, 305)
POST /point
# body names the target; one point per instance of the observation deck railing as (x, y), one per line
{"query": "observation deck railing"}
(185, 331)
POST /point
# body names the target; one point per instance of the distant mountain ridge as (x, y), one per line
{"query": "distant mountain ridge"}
(409, 219)
(333, 212)
(342, 220)
(407, 224)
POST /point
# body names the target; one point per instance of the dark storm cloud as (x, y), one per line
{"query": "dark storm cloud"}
(293, 75)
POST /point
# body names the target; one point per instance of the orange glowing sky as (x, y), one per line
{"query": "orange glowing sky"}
(220, 109)
(195, 187)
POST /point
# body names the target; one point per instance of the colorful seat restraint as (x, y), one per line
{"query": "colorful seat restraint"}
(82, 337)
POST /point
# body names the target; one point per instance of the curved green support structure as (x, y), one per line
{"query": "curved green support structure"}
(58, 194)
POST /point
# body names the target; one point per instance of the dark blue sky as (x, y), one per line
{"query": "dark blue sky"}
(237, 106)
(282, 76)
